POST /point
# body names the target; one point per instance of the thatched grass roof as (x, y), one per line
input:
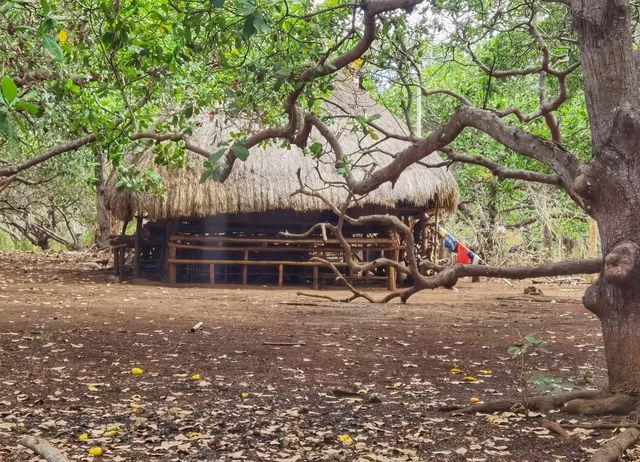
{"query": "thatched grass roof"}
(267, 179)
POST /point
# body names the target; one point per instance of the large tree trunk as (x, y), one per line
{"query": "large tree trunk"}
(619, 313)
(610, 183)
(43, 242)
(621, 331)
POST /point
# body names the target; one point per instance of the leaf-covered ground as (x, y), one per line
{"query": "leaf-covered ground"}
(70, 336)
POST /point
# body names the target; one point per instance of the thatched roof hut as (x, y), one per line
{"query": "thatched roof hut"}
(267, 179)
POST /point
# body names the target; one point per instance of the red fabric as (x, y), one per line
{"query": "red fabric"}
(463, 254)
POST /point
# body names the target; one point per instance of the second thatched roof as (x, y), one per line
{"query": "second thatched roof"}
(266, 181)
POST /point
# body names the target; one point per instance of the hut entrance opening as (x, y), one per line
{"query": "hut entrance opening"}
(255, 249)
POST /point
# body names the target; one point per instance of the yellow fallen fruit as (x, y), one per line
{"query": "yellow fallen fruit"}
(111, 433)
(456, 370)
(62, 36)
(485, 372)
(194, 435)
(92, 387)
(112, 427)
(195, 377)
(470, 378)
(345, 439)
(96, 451)
(244, 394)
(137, 371)
(84, 437)
(474, 400)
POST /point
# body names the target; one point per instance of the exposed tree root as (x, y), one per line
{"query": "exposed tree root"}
(578, 402)
(618, 404)
(43, 448)
(613, 449)
(535, 403)
(600, 425)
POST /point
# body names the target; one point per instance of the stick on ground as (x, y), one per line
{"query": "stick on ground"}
(43, 449)
(556, 428)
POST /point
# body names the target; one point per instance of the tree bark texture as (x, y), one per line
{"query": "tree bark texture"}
(610, 182)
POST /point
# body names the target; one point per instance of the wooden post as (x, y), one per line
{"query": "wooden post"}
(245, 269)
(438, 250)
(316, 270)
(423, 233)
(136, 257)
(122, 259)
(172, 266)
(280, 275)
(169, 230)
(212, 274)
(441, 250)
(116, 263)
(391, 280)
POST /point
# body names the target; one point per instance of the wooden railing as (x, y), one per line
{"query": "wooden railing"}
(249, 251)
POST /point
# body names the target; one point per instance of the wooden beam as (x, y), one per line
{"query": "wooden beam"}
(280, 275)
(212, 274)
(316, 271)
(181, 261)
(291, 247)
(352, 240)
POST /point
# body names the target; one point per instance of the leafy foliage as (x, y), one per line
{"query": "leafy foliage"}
(69, 69)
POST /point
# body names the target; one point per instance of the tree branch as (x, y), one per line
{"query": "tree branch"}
(70, 146)
(175, 137)
(371, 9)
(43, 448)
(522, 142)
(501, 172)
(74, 145)
(446, 276)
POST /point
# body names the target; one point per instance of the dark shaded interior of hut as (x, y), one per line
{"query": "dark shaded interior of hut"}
(270, 248)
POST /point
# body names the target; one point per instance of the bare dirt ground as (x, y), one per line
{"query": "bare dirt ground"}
(70, 336)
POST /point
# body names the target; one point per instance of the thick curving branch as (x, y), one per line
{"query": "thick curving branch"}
(501, 172)
(549, 153)
(566, 268)
(445, 276)
(498, 170)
